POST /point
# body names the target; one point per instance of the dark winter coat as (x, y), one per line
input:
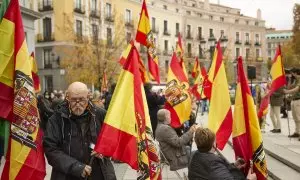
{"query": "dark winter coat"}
(67, 140)
(209, 166)
(154, 102)
(276, 98)
(173, 147)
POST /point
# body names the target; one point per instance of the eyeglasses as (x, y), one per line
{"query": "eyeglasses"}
(80, 101)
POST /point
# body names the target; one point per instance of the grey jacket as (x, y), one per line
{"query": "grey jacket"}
(276, 98)
(173, 147)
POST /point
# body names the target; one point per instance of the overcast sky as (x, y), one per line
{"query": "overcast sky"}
(276, 13)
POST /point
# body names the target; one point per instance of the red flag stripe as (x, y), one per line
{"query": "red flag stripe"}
(177, 70)
(224, 131)
(174, 117)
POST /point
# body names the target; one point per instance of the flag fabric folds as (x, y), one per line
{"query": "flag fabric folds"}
(142, 67)
(201, 76)
(180, 52)
(145, 37)
(25, 156)
(178, 100)
(34, 72)
(278, 81)
(220, 116)
(246, 135)
(126, 134)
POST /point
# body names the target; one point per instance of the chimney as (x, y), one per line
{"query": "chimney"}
(206, 4)
(258, 14)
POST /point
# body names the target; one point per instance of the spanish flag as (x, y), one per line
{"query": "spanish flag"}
(142, 67)
(220, 116)
(246, 135)
(178, 100)
(180, 52)
(201, 76)
(25, 155)
(278, 80)
(144, 36)
(34, 72)
(126, 134)
(196, 69)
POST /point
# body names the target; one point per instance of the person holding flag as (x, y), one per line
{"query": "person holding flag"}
(76, 123)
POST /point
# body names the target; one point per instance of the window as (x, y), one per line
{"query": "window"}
(211, 33)
(236, 21)
(128, 37)
(222, 33)
(257, 53)
(79, 28)
(165, 7)
(177, 10)
(47, 28)
(177, 28)
(200, 51)
(95, 33)
(269, 52)
(45, 3)
(188, 12)
(200, 32)
(237, 52)
(78, 4)
(108, 9)
(127, 16)
(166, 45)
(166, 66)
(47, 58)
(189, 48)
(94, 5)
(237, 37)
(211, 17)
(49, 83)
(221, 19)
(247, 22)
(153, 24)
(247, 53)
(188, 31)
(269, 45)
(247, 37)
(256, 23)
(109, 36)
(257, 38)
(165, 26)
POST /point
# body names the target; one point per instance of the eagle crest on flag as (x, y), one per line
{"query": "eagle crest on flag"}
(174, 93)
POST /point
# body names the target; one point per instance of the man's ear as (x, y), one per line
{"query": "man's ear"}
(67, 95)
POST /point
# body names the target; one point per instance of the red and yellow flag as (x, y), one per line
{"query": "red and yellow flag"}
(178, 100)
(201, 76)
(220, 116)
(246, 135)
(126, 134)
(278, 80)
(180, 52)
(34, 72)
(104, 83)
(144, 36)
(196, 69)
(142, 67)
(25, 155)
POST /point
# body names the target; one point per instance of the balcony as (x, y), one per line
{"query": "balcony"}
(247, 43)
(129, 23)
(189, 55)
(189, 36)
(95, 14)
(238, 42)
(45, 6)
(211, 38)
(48, 66)
(259, 59)
(257, 43)
(109, 18)
(201, 39)
(224, 39)
(166, 32)
(45, 38)
(79, 9)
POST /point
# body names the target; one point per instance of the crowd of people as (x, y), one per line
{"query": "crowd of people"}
(74, 118)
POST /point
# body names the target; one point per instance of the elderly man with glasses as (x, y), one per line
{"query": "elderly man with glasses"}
(70, 136)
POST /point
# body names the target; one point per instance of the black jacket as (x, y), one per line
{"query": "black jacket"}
(154, 101)
(67, 140)
(208, 166)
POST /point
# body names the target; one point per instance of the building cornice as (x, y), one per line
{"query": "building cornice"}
(33, 14)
